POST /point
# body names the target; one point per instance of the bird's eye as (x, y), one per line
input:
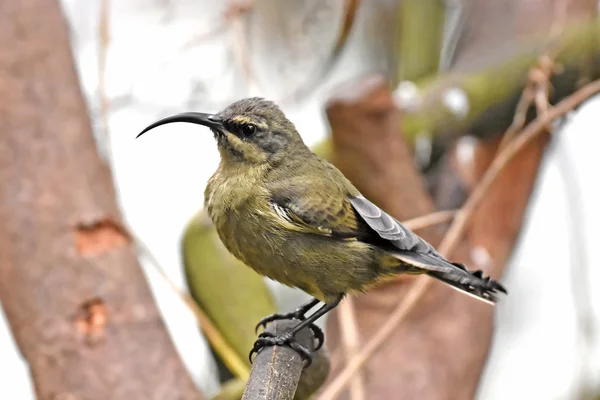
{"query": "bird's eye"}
(248, 130)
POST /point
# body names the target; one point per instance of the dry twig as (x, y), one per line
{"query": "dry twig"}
(350, 10)
(234, 11)
(240, 48)
(347, 317)
(454, 234)
(217, 341)
(350, 342)
(104, 35)
(536, 90)
(426, 221)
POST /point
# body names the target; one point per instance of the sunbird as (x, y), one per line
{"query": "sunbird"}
(295, 218)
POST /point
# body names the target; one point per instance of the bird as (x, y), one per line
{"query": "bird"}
(296, 219)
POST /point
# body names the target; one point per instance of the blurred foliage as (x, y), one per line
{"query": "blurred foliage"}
(420, 35)
(495, 89)
(492, 92)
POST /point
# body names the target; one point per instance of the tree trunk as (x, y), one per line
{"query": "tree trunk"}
(70, 284)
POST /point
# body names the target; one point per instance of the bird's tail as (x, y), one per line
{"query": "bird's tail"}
(472, 283)
(478, 286)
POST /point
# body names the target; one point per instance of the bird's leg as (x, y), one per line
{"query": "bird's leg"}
(299, 314)
(267, 339)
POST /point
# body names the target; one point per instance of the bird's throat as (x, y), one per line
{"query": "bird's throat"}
(232, 184)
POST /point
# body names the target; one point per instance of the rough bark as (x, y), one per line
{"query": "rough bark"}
(73, 292)
(277, 372)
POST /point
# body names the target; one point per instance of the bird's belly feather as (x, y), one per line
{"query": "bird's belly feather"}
(322, 266)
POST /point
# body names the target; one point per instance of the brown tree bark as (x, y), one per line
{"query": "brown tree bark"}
(70, 284)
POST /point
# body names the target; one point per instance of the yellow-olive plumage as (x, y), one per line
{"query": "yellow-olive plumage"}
(295, 218)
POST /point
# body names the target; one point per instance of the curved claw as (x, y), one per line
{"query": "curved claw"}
(316, 331)
(319, 336)
(258, 345)
(267, 339)
(274, 317)
(303, 352)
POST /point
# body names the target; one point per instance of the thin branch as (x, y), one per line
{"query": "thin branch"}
(426, 221)
(350, 342)
(520, 117)
(350, 10)
(104, 35)
(536, 91)
(235, 10)
(456, 230)
(276, 371)
(241, 52)
(214, 337)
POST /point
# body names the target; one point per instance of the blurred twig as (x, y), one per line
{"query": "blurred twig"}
(438, 217)
(350, 342)
(234, 11)
(217, 341)
(454, 26)
(241, 51)
(348, 325)
(104, 35)
(454, 233)
(536, 91)
(350, 10)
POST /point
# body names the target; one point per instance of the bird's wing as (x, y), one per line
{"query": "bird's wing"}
(332, 212)
(412, 250)
(388, 228)
(399, 240)
(326, 212)
(355, 217)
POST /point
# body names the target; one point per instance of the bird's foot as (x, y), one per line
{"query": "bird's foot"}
(297, 314)
(267, 339)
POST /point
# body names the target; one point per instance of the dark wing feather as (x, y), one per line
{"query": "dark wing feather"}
(321, 213)
(389, 228)
(405, 244)
(415, 251)
(356, 218)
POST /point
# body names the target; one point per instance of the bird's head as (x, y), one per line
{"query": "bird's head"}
(252, 130)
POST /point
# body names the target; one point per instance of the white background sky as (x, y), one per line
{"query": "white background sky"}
(537, 351)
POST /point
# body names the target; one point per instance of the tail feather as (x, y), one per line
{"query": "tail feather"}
(478, 286)
(472, 283)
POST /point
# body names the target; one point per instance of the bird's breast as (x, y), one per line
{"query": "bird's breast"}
(251, 230)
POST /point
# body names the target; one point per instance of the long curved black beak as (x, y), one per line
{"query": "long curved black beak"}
(209, 120)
